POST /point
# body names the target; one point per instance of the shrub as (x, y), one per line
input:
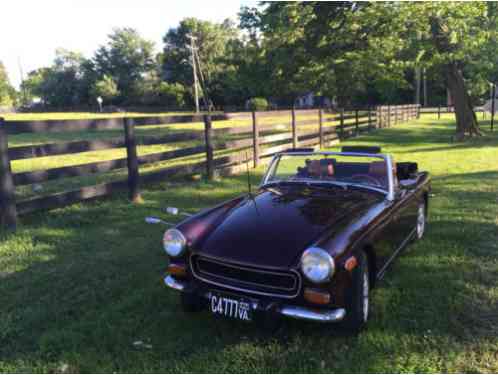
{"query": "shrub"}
(105, 88)
(172, 94)
(258, 104)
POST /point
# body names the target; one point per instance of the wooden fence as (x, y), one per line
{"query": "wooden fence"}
(223, 150)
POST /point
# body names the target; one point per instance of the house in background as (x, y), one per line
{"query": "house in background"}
(310, 100)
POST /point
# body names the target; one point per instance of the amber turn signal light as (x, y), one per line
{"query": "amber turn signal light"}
(316, 296)
(350, 263)
(177, 269)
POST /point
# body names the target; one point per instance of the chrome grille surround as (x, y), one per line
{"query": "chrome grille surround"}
(244, 285)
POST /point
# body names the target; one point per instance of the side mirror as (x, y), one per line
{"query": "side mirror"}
(172, 210)
(152, 220)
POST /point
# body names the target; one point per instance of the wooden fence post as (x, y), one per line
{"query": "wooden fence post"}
(132, 161)
(294, 130)
(320, 126)
(208, 135)
(8, 210)
(357, 125)
(255, 140)
(341, 124)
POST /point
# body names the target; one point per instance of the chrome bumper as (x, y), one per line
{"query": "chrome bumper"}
(296, 312)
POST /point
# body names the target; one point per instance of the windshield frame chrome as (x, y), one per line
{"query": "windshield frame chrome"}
(387, 158)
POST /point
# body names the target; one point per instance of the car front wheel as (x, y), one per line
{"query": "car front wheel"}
(358, 299)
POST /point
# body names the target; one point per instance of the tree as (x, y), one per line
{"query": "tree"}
(105, 88)
(324, 47)
(65, 83)
(343, 49)
(126, 58)
(213, 41)
(456, 38)
(7, 92)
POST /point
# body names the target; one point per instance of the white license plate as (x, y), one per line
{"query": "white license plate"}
(230, 307)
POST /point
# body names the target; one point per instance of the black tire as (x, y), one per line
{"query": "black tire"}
(191, 302)
(358, 298)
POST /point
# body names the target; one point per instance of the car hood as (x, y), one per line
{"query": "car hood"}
(275, 226)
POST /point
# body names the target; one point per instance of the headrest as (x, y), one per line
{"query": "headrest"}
(406, 169)
(327, 167)
(314, 168)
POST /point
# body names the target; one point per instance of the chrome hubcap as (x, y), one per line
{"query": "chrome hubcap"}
(421, 221)
(365, 296)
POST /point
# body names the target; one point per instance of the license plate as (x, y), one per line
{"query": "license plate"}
(230, 307)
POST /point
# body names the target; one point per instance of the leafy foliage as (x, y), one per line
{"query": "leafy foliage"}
(7, 92)
(126, 58)
(106, 88)
(258, 104)
(357, 53)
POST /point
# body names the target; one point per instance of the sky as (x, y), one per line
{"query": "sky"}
(31, 30)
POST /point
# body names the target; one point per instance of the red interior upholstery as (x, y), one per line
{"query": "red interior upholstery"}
(314, 168)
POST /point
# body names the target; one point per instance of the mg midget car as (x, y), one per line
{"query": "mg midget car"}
(310, 243)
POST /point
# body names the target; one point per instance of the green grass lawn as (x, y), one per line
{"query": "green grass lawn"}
(81, 284)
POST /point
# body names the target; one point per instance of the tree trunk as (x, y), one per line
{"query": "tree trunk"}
(464, 112)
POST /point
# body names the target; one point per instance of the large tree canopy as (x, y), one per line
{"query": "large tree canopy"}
(358, 53)
(127, 57)
(64, 84)
(214, 43)
(344, 48)
(7, 92)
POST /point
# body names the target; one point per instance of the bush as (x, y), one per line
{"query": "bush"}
(105, 88)
(172, 94)
(257, 104)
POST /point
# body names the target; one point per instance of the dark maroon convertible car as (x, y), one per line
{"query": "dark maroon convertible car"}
(322, 228)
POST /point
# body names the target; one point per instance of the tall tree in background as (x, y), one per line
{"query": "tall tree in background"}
(329, 48)
(65, 83)
(127, 57)
(213, 41)
(342, 47)
(456, 38)
(7, 92)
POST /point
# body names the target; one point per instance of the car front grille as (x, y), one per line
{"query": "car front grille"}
(254, 280)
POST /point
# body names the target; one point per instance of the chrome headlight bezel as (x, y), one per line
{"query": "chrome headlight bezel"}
(174, 243)
(316, 257)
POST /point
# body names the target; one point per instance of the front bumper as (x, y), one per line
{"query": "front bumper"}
(295, 312)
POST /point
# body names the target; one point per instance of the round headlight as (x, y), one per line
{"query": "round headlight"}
(174, 242)
(317, 265)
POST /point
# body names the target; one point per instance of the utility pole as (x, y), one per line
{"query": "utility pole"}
(21, 71)
(424, 73)
(417, 85)
(194, 69)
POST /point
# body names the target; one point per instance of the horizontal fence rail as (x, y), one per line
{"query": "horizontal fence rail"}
(211, 150)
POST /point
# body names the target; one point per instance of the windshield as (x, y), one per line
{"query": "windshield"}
(336, 168)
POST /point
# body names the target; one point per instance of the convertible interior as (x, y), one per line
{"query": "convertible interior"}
(373, 173)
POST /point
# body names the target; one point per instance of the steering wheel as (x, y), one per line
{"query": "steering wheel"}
(366, 177)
